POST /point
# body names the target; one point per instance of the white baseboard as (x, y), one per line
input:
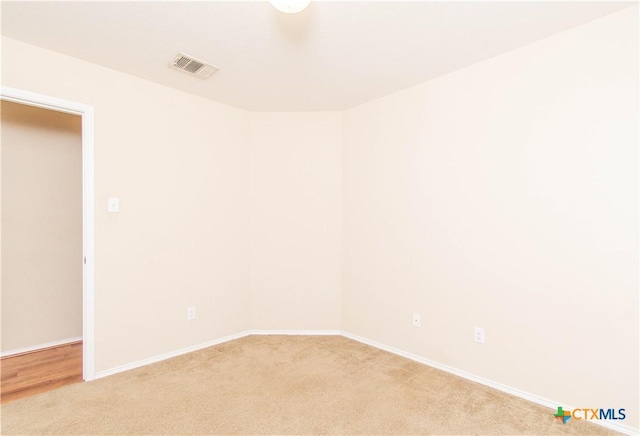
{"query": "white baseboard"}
(169, 355)
(296, 332)
(165, 356)
(625, 429)
(40, 346)
(622, 428)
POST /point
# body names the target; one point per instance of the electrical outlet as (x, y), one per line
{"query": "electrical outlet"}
(191, 313)
(416, 320)
(478, 335)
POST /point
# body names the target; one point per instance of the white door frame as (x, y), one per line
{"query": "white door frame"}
(88, 224)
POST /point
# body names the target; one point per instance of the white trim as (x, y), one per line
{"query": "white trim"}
(40, 346)
(180, 352)
(622, 428)
(169, 355)
(296, 332)
(88, 220)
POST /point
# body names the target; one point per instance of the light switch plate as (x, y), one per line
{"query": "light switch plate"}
(113, 205)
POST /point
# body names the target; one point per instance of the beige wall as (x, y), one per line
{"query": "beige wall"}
(505, 195)
(178, 163)
(296, 220)
(42, 226)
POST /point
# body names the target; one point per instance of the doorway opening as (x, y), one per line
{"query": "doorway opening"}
(61, 219)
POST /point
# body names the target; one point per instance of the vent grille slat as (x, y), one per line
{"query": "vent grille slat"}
(189, 65)
(181, 62)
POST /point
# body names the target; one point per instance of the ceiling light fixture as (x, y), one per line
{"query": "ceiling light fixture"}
(290, 6)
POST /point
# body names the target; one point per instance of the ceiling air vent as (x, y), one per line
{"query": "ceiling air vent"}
(193, 66)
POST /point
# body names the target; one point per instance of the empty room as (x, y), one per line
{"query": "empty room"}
(320, 217)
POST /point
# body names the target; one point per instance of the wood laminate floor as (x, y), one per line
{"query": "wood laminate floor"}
(39, 371)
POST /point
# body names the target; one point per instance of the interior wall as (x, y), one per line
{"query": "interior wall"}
(42, 224)
(296, 220)
(505, 195)
(178, 163)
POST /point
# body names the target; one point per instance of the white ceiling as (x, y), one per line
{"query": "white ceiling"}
(332, 56)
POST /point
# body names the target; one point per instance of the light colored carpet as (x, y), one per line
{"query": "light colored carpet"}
(283, 385)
